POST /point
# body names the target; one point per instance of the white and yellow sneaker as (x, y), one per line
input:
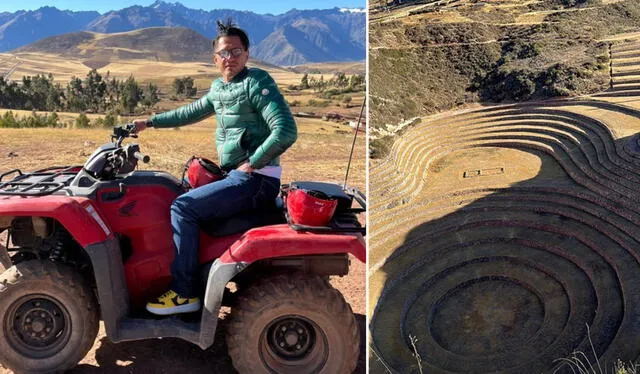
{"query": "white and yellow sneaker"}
(171, 303)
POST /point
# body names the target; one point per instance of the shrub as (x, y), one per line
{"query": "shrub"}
(82, 121)
(602, 59)
(52, 120)
(184, 87)
(319, 103)
(501, 85)
(561, 80)
(572, 3)
(520, 49)
(8, 120)
(111, 119)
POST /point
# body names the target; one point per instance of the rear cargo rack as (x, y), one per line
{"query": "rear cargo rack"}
(335, 226)
(360, 198)
(38, 183)
(344, 221)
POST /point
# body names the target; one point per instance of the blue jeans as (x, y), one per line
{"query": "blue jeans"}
(238, 192)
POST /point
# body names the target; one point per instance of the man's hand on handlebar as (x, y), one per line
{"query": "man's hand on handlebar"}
(141, 124)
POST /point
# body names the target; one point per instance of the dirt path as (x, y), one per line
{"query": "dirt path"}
(436, 45)
(7, 74)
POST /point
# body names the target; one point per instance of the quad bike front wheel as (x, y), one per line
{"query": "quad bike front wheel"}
(293, 324)
(48, 317)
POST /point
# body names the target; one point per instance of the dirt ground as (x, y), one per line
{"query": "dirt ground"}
(320, 153)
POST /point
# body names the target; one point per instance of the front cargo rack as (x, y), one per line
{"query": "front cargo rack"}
(38, 183)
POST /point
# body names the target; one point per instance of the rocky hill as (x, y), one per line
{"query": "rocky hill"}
(429, 56)
(156, 43)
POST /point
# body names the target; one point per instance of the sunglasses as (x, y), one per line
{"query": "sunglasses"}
(226, 53)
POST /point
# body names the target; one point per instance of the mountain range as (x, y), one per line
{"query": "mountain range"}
(295, 37)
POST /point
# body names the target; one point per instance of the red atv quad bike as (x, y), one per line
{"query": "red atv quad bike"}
(95, 242)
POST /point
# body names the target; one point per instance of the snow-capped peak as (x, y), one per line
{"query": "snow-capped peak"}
(353, 10)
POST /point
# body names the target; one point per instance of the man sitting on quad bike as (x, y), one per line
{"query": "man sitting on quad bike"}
(254, 127)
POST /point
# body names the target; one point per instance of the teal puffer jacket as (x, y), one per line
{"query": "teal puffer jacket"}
(254, 121)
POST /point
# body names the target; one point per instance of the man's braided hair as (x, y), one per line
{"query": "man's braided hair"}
(230, 29)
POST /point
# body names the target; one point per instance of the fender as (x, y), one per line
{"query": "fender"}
(261, 243)
(77, 214)
(281, 240)
(115, 304)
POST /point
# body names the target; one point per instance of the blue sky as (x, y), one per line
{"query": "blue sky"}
(257, 6)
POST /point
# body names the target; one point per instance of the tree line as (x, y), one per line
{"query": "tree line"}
(95, 93)
(339, 81)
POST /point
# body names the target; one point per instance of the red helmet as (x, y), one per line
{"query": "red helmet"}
(201, 171)
(310, 208)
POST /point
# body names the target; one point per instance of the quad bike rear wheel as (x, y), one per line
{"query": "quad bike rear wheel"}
(293, 324)
(48, 317)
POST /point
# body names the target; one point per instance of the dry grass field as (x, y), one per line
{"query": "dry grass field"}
(500, 231)
(328, 68)
(161, 73)
(321, 153)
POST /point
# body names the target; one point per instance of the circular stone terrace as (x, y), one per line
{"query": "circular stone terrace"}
(508, 237)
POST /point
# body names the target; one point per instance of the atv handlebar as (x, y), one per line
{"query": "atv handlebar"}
(110, 160)
(126, 131)
(120, 132)
(142, 157)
